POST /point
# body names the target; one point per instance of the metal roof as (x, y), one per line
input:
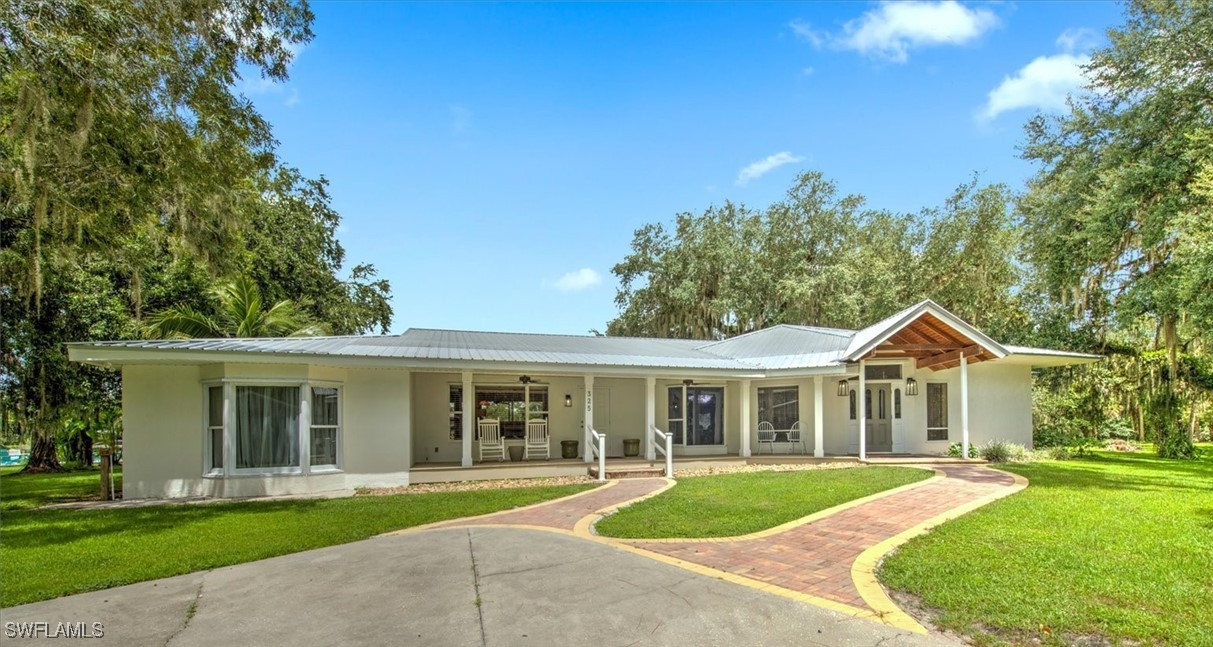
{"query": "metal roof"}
(782, 347)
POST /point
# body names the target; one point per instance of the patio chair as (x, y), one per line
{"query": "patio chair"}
(766, 434)
(491, 442)
(795, 438)
(537, 441)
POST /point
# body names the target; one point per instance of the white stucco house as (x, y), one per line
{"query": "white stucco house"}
(244, 417)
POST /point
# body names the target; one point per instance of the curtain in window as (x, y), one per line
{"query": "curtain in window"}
(267, 426)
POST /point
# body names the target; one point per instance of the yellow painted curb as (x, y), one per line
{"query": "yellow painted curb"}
(795, 523)
(863, 569)
(584, 526)
(458, 522)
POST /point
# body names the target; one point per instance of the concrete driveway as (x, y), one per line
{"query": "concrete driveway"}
(463, 586)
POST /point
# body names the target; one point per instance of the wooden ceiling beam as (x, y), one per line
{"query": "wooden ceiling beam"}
(950, 356)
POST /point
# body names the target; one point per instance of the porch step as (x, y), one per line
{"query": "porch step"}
(629, 471)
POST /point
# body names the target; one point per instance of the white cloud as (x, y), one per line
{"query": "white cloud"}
(1077, 40)
(805, 31)
(892, 29)
(764, 166)
(1043, 84)
(582, 279)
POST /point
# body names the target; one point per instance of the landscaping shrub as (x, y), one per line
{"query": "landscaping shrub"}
(1116, 429)
(1119, 445)
(1051, 436)
(1059, 453)
(954, 450)
(1001, 451)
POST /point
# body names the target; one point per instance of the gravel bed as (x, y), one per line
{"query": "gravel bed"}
(469, 486)
(740, 469)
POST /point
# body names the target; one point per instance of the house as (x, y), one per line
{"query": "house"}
(244, 417)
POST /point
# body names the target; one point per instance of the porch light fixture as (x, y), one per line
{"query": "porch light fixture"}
(843, 388)
(568, 400)
(911, 386)
(525, 379)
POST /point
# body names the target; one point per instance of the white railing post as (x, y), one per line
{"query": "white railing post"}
(669, 456)
(601, 457)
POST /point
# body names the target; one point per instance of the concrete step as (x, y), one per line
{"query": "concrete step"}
(629, 471)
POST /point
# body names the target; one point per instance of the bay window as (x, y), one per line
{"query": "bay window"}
(272, 428)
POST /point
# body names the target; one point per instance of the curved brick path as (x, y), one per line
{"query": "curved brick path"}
(563, 514)
(816, 558)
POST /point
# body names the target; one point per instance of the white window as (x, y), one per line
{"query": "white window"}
(937, 411)
(455, 412)
(272, 428)
(326, 426)
(214, 428)
(779, 406)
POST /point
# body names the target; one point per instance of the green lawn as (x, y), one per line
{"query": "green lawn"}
(736, 504)
(49, 553)
(24, 491)
(1119, 546)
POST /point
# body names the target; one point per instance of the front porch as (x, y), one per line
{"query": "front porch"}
(451, 472)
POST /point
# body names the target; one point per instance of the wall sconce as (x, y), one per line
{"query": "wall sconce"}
(843, 388)
(568, 400)
(911, 386)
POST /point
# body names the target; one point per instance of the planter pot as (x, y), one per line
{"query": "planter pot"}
(631, 446)
(515, 452)
(568, 449)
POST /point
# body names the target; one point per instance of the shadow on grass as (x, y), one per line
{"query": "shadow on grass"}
(1121, 472)
(34, 528)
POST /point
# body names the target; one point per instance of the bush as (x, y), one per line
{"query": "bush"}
(1118, 445)
(1051, 436)
(1115, 429)
(954, 450)
(1001, 451)
(1059, 453)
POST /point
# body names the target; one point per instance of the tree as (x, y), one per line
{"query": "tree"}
(120, 138)
(819, 258)
(241, 313)
(1114, 214)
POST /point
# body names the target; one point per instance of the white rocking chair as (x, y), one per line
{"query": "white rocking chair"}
(795, 438)
(538, 443)
(491, 443)
(766, 434)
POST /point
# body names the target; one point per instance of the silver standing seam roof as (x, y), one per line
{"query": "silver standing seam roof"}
(780, 347)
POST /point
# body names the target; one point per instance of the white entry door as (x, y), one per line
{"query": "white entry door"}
(879, 412)
(602, 410)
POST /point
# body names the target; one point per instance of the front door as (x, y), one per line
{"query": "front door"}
(698, 420)
(879, 418)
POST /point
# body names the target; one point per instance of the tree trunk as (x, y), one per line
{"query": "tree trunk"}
(43, 455)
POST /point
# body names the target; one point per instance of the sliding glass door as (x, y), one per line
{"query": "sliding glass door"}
(699, 418)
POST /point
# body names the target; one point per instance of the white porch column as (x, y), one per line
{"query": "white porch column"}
(818, 418)
(589, 418)
(964, 406)
(862, 413)
(650, 418)
(469, 418)
(745, 418)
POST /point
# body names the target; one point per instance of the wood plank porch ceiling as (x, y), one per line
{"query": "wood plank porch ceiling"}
(931, 343)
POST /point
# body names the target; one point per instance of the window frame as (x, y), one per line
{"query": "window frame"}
(303, 424)
(946, 429)
(339, 427)
(777, 387)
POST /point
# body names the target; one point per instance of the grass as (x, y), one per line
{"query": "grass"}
(49, 553)
(25, 491)
(1118, 547)
(736, 504)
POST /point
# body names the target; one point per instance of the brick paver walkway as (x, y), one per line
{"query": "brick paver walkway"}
(565, 513)
(816, 558)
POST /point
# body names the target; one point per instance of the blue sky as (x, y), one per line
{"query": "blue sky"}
(493, 160)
